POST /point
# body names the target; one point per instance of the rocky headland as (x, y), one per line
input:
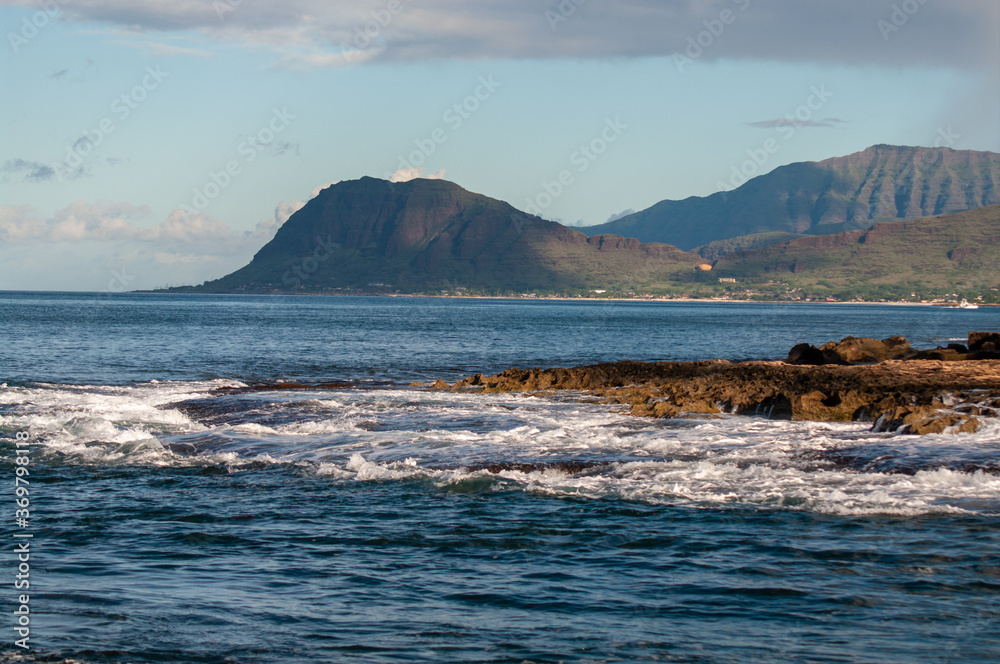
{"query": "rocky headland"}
(885, 382)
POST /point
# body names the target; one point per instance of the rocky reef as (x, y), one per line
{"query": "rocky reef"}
(854, 350)
(886, 382)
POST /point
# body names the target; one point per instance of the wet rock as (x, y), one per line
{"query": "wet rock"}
(984, 341)
(858, 349)
(700, 407)
(922, 420)
(440, 385)
(660, 409)
(894, 393)
(941, 423)
(898, 347)
(968, 425)
(806, 354)
(836, 407)
(903, 418)
(851, 350)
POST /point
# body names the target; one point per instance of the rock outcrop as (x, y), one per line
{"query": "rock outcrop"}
(864, 350)
(984, 342)
(916, 396)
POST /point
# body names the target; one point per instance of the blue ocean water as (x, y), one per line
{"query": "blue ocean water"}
(186, 509)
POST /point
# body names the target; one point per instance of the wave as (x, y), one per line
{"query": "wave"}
(475, 443)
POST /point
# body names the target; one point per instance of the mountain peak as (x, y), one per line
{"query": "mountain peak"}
(882, 181)
(429, 233)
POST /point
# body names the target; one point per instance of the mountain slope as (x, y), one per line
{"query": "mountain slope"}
(428, 234)
(960, 249)
(826, 196)
(718, 248)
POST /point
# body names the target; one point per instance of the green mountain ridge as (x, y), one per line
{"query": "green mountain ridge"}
(830, 196)
(953, 252)
(718, 248)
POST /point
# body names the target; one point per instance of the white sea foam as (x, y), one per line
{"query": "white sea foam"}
(88, 422)
(391, 435)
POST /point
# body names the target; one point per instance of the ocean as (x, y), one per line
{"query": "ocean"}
(251, 479)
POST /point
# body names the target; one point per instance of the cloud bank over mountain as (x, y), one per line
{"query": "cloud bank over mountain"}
(323, 33)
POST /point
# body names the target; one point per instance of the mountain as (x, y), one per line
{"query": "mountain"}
(823, 197)
(432, 234)
(719, 248)
(956, 251)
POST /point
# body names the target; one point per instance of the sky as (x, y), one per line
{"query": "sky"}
(148, 143)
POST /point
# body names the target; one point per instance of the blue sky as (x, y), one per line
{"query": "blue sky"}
(119, 118)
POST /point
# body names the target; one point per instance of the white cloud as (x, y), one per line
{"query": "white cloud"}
(617, 216)
(104, 221)
(159, 48)
(76, 222)
(105, 246)
(407, 174)
(315, 192)
(170, 258)
(338, 32)
(282, 211)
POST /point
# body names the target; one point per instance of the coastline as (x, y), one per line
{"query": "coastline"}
(943, 305)
(943, 390)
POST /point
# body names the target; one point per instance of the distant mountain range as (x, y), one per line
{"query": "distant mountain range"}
(957, 251)
(432, 234)
(786, 229)
(816, 198)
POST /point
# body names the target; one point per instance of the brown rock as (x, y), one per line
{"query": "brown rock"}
(858, 349)
(837, 407)
(440, 385)
(984, 341)
(943, 355)
(806, 354)
(641, 410)
(894, 393)
(699, 407)
(939, 423)
(969, 425)
(898, 347)
(664, 409)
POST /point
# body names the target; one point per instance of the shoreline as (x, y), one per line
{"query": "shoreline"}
(945, 390)
(903, 396)
(943, 305)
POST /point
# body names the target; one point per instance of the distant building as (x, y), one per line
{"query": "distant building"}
(599, 291)
(726, 280)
